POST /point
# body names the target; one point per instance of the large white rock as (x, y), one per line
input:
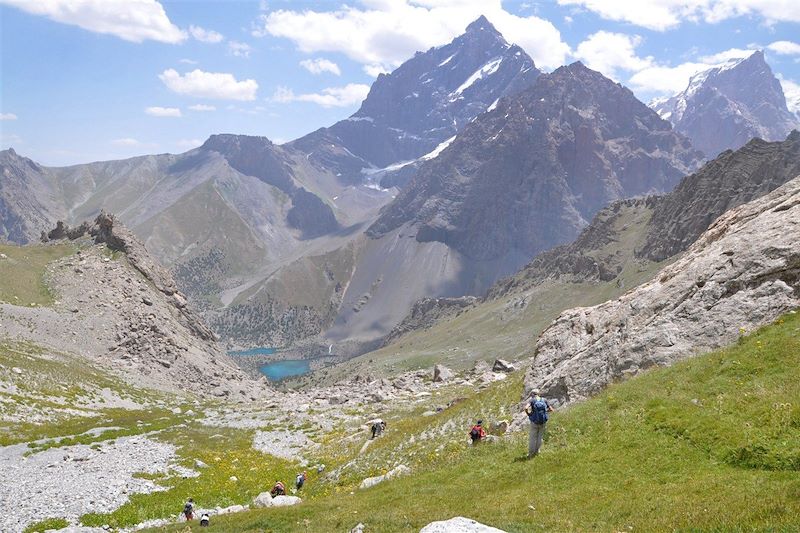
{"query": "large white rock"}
(397, 471)
(742, 272)
(285, 501)
(459, 524)
(263, 500)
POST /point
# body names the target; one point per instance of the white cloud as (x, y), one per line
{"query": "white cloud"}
(387, 33)
(189, 143)
(238, 49)
(785, 48)
(205, 36)
(8, 116)
(376, 70)
(350, 94)
(131, 20)
(662, 15)
(320, 65)
(188, 61)
(202, 107)
(126, 141)
(726, 55)
(791, 90)
(610, 52)
(156, 111)
(217, 85)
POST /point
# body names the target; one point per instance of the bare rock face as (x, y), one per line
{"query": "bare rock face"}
(743, 272)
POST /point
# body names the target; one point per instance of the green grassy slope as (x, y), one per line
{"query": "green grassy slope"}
(22, 273)
(710, 444)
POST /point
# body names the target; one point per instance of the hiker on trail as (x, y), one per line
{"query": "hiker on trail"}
(300, 480)
(477, 433)
(188, 509)
(204, 520)
(537, 410)
(278, 489)
(378, 427)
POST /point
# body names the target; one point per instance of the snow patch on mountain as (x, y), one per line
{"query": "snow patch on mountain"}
(486, 70)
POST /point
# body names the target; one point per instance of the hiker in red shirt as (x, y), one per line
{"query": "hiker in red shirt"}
(477, 433)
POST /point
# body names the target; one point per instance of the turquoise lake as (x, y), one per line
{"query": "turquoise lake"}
(279, 370)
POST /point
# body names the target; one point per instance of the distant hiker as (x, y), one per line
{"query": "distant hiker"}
(188, 509)
(204, 520)
(300, 480)
(278, 489)
(537, 410)
(477, 433)
(378, 427)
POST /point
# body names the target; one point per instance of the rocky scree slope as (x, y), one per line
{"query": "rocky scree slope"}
(421, 104)
(531, 173)
(127, 314)
(742, 273)
(726, 106)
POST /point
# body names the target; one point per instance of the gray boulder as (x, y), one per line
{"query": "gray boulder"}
(501, 365)
(442, 373)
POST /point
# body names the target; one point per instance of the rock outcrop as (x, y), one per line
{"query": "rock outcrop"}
(742, 273)
(129, 313)
(726, 106)
(428, 311)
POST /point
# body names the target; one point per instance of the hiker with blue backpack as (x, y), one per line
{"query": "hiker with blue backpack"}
(537, 410)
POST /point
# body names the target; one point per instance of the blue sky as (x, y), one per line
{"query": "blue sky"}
(86, 80)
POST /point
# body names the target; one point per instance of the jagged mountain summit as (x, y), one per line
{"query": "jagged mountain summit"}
(531, 173)
(423, 103)
(727, 105)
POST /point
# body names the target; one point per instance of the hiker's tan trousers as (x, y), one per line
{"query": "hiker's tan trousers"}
(535, 438)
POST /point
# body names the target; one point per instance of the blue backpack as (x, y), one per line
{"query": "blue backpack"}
(538, 411)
